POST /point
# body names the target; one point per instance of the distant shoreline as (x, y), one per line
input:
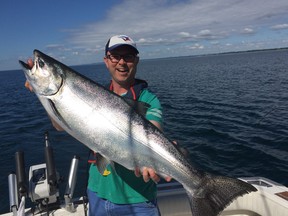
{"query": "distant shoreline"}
(260, 50)
(187, 56)
(215, 54)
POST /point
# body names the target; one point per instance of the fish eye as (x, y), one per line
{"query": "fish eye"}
(41, 63)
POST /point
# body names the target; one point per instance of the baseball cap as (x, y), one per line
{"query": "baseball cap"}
(120, 40)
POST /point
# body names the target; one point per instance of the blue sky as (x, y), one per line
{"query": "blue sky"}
(75, 32)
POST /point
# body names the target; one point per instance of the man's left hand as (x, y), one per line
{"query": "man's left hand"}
(149, 173)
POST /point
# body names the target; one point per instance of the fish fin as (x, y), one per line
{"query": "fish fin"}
(57, 114)
(216, 193)
(102, 163)
(139, 106)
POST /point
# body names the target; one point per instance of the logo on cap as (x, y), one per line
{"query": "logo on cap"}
(125, 38)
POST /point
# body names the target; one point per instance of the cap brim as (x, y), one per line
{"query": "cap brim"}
(119, 45)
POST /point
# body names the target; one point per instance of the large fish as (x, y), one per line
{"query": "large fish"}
(107, 124)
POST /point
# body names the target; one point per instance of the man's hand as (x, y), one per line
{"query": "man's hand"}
(27, 84)
(149, 173)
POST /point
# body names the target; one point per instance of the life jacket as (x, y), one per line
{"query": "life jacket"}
(132, 97)
(135, 89)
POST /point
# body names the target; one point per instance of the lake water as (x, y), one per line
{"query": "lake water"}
(229, 110)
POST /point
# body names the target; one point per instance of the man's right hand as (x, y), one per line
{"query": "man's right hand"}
(27, 84)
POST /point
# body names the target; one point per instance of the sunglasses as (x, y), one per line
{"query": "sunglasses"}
(116, 58)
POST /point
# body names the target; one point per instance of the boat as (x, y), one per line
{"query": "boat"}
(270, 199)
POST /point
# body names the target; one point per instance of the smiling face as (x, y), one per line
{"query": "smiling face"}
(122, 72)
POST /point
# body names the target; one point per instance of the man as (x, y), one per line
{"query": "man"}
(120, 191)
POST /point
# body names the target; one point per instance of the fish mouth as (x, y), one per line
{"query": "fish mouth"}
(24, 65)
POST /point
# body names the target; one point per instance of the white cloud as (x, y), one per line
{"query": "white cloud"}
(160, 24)
(248, 31)
(280, 26)
(184, 34)
(205, 32)
(57, 47)
(161, 28)
(196, 46)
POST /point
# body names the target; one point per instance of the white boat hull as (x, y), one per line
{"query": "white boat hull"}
(264, 202)
(271, 199)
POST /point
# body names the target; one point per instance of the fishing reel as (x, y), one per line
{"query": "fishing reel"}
(42, 191)
(43, 183)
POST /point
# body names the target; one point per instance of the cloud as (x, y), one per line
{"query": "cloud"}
(248, 31)
(161, 28)
(205, 33)
(280, 26)
(57, 47)
(196, 46)
(161, 24)
(184, 34)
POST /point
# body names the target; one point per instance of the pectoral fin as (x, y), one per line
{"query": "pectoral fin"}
(102, 163)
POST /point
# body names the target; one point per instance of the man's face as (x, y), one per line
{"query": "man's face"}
(122, 64)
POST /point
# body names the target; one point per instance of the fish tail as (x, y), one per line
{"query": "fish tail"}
(215, 193)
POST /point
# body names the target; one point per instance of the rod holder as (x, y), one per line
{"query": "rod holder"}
(20, 173)
(71, 184)
(72, 176)
(13, 194)
(50, 164)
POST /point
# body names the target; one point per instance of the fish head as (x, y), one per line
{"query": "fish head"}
(46, 75)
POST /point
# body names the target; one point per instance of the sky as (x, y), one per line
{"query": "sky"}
(75, 32)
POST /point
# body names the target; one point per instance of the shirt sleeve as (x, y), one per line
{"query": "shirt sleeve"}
(154, 112)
